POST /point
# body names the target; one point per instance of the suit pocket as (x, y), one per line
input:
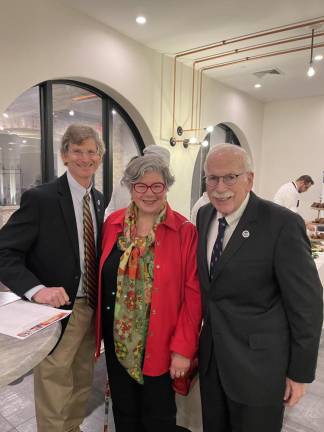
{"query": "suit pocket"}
(263, 341)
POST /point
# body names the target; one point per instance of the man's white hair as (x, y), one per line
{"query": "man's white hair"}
(226, 147)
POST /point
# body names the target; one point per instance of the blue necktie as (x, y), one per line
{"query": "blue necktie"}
(218, 247)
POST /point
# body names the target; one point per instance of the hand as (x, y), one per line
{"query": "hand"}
(294, 392)
(53, 296)
(179, 365)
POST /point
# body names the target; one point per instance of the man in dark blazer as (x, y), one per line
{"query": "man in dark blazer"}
(262, 300)
(42, 258)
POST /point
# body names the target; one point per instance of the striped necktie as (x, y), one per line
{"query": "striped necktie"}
(90, 276)
(218, 247)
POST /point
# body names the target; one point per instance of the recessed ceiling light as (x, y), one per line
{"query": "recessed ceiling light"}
(5, 115)
(257, 85)
(71, 113)
(318, 57)
(1, 128)
(24, 141)
(140, 20)
(205, 143)
(113, 112)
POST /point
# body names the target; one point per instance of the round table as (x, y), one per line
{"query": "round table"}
(17, 357)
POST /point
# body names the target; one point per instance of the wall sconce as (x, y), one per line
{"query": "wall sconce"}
(311, 71)
(192, 140)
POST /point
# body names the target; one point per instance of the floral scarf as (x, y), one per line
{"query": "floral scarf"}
(133, 296)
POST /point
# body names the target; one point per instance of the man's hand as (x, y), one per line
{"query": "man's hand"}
(294, 391)
(53, 296)
(179, 365)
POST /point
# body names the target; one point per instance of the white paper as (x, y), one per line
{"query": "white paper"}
(8, 297)
(21, 319)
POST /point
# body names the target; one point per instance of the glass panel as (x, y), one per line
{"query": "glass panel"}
(20, 151)
(124, 147)
(73, 104)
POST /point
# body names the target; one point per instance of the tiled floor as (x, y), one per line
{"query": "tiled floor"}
(17, 405)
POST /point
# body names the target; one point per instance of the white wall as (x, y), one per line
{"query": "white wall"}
(293, 144)
(42, 40)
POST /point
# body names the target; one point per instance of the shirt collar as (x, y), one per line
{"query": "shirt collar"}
(76, 189)
(236, 215)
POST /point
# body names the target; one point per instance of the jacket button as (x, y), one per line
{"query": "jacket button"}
(148, 355)
(76, 277)
(158, 266)
(154, 311)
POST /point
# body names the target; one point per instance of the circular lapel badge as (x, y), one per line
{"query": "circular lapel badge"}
(245, 234)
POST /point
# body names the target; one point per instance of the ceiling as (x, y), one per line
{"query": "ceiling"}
(177, 25)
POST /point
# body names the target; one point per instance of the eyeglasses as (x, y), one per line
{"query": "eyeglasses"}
(228, 179)
(79, 153)
(156, 188)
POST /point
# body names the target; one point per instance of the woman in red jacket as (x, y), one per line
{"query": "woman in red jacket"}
(149, 310)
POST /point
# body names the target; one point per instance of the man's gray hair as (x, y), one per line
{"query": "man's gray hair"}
(226, 147)
(143, 164)
(76, 134)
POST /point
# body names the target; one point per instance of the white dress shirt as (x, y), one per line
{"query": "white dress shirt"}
(232, 221)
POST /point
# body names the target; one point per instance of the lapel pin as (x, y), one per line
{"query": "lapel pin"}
(98, 202)
(245, 234)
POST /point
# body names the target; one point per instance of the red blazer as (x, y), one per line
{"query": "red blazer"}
(175, 318)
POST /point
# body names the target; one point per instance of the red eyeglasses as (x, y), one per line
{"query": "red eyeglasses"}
(156, 188)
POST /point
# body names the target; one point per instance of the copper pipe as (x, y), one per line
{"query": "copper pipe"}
(200, 96)
(258, 46)
(272, 54)
(260, 56)
(249, 36)
(174, 93)
(192, 96)
(249, 48)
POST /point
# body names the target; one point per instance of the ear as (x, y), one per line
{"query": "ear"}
(250, 179)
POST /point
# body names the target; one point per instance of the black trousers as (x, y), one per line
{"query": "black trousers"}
(140, 408)
(220, 414)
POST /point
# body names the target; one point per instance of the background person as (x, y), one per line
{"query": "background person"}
(203, 200)
(288, 195)
(120, 197)
(263, 301)
(149, 300)
(45, 257)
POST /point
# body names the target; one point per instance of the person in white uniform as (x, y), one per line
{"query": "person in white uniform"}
(203, 200)
(120, 196)
(288, 195)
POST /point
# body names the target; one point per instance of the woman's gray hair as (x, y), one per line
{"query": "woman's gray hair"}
(136, 168)
(77, 133)
(226, 147)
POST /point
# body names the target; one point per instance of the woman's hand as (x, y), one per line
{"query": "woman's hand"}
(179, 365)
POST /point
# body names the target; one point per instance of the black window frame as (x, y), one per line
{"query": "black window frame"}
(46, 123)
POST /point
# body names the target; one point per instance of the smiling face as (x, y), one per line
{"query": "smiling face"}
(227, 199)
(82, 161)
(149, 202)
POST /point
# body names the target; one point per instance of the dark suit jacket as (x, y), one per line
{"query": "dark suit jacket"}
(263, 311)
(39, 244)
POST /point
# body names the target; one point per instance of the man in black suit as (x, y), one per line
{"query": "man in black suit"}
(262, 299)
(44, 258)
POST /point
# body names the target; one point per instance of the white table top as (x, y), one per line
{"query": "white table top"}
(18, 357)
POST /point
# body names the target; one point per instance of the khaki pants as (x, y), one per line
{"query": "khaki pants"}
(63, 379)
